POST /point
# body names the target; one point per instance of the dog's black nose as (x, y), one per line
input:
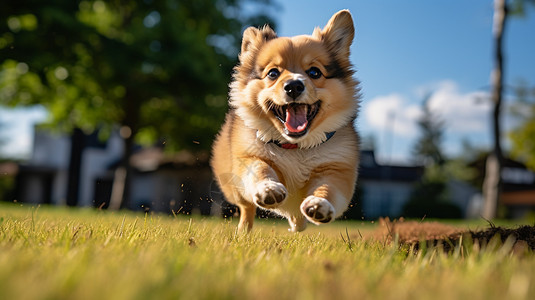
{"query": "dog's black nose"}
(294, 88)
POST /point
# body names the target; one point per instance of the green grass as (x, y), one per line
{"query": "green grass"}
(59, 253)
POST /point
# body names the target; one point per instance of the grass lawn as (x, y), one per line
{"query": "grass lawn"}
(59, 253)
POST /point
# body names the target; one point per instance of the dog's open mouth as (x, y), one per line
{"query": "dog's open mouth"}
(296, 117)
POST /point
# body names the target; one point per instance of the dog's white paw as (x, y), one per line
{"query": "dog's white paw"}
(269, 194)
(317, 210)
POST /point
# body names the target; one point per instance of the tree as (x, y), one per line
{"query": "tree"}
(429, 197)
(158, 69)
(492, 181)
(429, 144)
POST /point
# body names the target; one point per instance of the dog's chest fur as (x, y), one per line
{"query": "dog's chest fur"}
(297, 165)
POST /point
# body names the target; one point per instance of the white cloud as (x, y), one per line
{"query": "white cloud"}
(392, 113)
(393, 118)
(462, 112)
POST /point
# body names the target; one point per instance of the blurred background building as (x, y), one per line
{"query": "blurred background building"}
(79, 170)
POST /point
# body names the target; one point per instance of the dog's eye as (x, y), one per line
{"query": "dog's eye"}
(314, 73)
(273, 74)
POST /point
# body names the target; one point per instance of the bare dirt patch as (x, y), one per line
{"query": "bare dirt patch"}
(415, 234)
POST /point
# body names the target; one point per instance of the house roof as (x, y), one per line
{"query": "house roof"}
(515, 175)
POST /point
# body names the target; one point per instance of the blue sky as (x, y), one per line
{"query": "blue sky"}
(402, 50)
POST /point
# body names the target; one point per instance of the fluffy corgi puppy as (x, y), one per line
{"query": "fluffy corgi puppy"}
(288, 144)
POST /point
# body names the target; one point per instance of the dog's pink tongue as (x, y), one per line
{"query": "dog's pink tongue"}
(296, 118)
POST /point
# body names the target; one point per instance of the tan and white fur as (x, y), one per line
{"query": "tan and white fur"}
(299, 91)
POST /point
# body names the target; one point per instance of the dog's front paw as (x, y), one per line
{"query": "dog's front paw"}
(270, 194)
(317, 210)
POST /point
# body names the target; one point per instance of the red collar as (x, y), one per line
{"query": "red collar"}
(287, 146)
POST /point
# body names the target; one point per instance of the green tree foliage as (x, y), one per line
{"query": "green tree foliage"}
(428, 146)
(429, 197)
(523, 136)
(428, 201)
(159, 68)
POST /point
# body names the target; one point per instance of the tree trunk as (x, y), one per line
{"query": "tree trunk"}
(492, 181)
(78, 145)
(120, 194)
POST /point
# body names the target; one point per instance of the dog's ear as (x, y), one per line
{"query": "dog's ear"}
(338, 34)
(253, 38)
